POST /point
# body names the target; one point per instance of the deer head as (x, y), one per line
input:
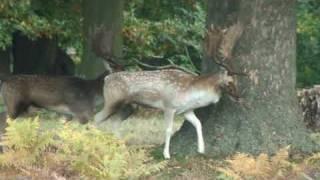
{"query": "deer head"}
(218, 45)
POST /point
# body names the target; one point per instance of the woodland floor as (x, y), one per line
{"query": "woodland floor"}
(146, 128)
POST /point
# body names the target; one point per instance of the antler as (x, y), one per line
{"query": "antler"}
(230, 38)
(220, 43)
(212, 41)
(102, 42)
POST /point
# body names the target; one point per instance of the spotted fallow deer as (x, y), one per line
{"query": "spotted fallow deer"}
(174, 91)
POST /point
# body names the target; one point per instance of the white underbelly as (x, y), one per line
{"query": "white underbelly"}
(61, 109)
(196, 100)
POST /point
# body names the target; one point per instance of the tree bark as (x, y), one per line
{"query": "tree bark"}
(102, 29)
(309, 101)
(266, 51)
(5, 59)
(40, 56)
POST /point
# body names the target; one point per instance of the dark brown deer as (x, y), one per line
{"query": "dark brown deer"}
(175, 91)
(63, 94)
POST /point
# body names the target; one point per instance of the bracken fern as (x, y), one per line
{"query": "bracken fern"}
(77, 149)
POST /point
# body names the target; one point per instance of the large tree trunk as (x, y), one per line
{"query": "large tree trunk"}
(102, 28)
(266, 51)
(40, 56)
(5, 57)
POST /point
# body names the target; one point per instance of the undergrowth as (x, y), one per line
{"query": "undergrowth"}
(72, 149)
(264, 167)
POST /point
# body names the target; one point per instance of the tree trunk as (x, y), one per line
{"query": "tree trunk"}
(5, 57)
(309, 101)
(40, 56)
(102, 28)
(266, 51)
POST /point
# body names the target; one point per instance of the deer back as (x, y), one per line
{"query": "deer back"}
(163, 89)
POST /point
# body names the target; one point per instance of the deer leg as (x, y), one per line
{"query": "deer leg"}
(192, 118)
(125, 111)
(82, 110)
(84, 116)
(102, 115)
(106, 112)
(13, 101)
(113, 99)
(168, 116)
(14, 109)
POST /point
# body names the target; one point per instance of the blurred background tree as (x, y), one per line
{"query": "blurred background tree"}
(36, 18)
(162, 32)
(102, 26)
(33, 34)
(308, 43)
(157, 32)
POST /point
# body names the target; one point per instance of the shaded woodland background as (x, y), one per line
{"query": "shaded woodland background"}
(35, 36)
(57, 37)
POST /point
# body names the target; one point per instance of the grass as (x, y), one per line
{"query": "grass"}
(146, 128)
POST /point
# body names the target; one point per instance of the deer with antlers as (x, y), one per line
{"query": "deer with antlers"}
(175, 91)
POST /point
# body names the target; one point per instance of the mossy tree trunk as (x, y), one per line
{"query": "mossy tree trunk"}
(102, 28)
(267, 52)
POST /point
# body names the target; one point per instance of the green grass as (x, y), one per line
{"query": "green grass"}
(142, 128)
(146, 129)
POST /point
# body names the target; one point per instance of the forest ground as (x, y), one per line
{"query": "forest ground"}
(146, 128)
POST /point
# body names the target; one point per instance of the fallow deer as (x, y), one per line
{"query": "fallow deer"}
(63, 94)
(174, 91)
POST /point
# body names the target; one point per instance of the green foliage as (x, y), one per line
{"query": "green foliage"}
(308, 42)
(154, 30)
(92, 152)
(82, 150)
(149, 9)
(37, 18)
(168, 36)
(23, 144)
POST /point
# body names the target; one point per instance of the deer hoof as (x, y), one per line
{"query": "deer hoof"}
(201, 150)
(166, 155)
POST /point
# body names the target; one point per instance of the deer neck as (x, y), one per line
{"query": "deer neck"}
(208, 85)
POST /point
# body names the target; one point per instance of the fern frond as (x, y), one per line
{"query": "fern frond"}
(314, 159)
(261, 167)
(86, 150)
(229, 172)
(24, 143)
(20, 135)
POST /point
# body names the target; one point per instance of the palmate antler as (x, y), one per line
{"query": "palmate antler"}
(229, 40)
(219, 45)
(102, 46)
